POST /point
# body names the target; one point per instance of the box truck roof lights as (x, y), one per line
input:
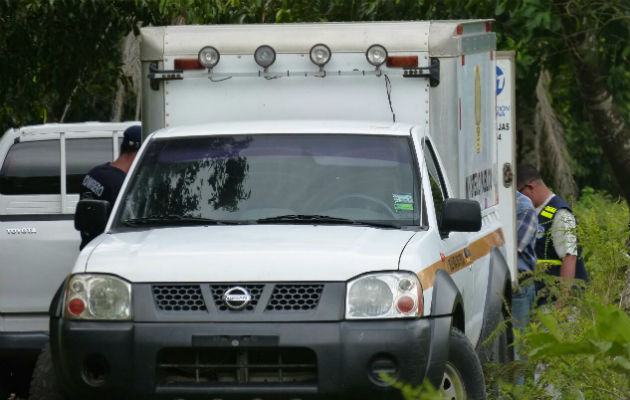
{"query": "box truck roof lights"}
(265, 56)
(320, 55)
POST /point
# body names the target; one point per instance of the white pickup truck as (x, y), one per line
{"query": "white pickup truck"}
(317, 210)
(41, 168)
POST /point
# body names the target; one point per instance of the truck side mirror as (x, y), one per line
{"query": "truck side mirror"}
(459, 215)
(91, 216)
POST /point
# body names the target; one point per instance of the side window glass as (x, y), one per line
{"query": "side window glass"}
(31, 168)
(81, 156)
(438, 190)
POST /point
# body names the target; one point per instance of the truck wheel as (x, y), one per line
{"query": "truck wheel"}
(44, 382)
(463, 377)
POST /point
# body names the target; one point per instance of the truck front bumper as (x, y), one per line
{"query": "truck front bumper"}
(329, 360)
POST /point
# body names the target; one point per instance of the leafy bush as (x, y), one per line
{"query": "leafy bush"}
(578, 347)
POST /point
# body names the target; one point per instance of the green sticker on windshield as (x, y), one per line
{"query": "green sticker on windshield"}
(403, 201)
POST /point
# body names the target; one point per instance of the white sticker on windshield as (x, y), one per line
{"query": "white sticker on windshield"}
(403, 201)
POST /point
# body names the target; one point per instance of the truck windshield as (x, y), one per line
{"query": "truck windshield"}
(281, 178)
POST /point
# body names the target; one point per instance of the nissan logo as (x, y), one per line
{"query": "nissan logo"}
(237, 298)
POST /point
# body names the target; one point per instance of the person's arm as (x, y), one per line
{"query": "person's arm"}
(567, 269)
(565, 241)
(526, 229)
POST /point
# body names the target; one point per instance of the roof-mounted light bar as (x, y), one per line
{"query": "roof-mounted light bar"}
(265, 56)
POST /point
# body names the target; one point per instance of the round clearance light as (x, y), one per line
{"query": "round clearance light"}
(265, 56)
(209, 57)
(320, 54)
(376, 55)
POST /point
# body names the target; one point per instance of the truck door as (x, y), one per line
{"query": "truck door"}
(455, 247)
(39, 186)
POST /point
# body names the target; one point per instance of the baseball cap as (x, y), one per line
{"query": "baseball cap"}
(132, 137)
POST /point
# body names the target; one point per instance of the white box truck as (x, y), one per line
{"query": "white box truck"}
(317, 209)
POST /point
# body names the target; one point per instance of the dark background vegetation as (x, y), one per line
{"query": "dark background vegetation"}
(62, 60)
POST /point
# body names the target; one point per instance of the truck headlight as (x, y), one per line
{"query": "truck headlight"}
(384, 295)
(97, 297)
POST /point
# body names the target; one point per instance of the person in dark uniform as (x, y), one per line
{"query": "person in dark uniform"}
(556, 240)
(103, 182)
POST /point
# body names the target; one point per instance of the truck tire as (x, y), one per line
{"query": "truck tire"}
(44, 382)
(4, 383)
(463, 377)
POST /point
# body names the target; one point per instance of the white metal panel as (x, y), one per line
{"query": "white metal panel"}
(24, 322)
(159, 42)
(445, 41)
(30, 204)
(506, 118)
(438, 37)
(91, 128)
(35, 260)
(478, 175)
(422, 251)
(256, 253)
(256, 127)
(196, 99)
(444, 121)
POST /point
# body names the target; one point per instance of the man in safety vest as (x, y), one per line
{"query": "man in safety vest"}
(556, 241)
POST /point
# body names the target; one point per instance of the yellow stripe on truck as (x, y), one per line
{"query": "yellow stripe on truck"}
(462, 258)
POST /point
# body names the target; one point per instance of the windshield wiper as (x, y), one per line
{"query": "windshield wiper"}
(174, 220)
(321, 219)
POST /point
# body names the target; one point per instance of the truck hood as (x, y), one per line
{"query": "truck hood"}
(252, 253)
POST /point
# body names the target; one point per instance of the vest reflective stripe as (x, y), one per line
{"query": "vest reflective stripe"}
(546, 214)
(552, 262)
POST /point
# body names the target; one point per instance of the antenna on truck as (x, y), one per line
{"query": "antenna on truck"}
(423, 149)
(388, 88)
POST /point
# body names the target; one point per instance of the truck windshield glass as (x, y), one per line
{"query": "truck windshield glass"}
(284, 178)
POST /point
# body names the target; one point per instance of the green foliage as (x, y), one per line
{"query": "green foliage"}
(607, 337)
(603, 232)
(426, 391)
(65, 53)
(579, 347)
(60, 55)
